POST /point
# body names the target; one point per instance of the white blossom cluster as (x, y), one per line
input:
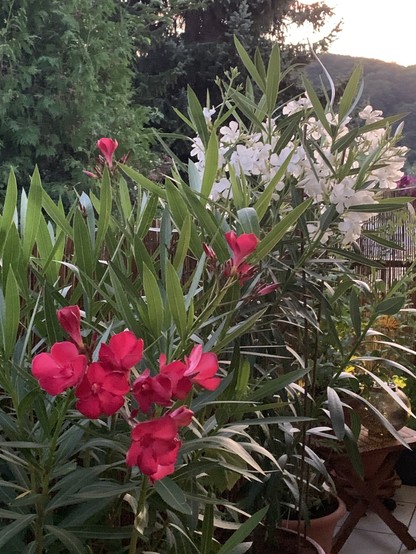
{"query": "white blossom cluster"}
(375, 164)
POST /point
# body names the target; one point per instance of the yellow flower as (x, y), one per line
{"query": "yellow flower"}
(388, 322)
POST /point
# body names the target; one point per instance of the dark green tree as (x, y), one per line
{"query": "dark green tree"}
(192, 43)
(66, 80)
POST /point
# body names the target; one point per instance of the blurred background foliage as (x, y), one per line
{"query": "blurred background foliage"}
(74, 71)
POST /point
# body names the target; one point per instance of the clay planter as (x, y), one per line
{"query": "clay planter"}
(289, 542)
(320, 529)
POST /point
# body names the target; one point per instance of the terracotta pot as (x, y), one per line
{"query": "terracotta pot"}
(288, 542)
(320, 529)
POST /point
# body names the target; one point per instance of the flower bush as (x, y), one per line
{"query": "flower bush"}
(146, 384)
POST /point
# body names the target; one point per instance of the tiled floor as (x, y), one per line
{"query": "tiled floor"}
(372, 536)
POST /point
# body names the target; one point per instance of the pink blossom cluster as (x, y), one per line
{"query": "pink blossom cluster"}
(102, 386)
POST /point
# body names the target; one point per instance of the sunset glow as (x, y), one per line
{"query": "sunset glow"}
(371, 29)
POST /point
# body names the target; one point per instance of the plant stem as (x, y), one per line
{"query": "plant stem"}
(140, 509)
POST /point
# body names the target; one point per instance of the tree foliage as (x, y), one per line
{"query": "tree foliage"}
(192, 43)
(65, 81)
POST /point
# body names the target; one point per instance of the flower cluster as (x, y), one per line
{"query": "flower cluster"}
(330, 176)
(102, 387)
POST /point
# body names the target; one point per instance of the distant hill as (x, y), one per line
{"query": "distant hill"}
(387, 86)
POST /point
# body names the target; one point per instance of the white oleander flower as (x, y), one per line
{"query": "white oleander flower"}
(370, 115)
(230, 134)
(208, 113)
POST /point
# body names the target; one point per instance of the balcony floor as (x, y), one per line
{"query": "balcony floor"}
(372, 536)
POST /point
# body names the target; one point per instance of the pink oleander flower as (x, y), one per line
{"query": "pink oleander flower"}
(60, 369)
(241, 246)
(201, 368)
(148, 390)
(155, 447)
(262, 290)
(122, 352)
(175, 370)
(182, 416)
(70, 320)
(101, 391)
(107, 147)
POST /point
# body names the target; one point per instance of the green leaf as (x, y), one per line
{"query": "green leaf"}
(248, 220)
(336, 413)
(350, 94)
(317, 106)
(146, 215)
(10, 203)
(180, 211)
(197, 116)
(267, 244)
(263, 203)
(173, 495)
(249, 65)
(243, 531)
(143, 181)
(274, 385)
(82, 245)
(355, 313)
(11, 323)
(9, 531)
(273, 78)
(32, 215)
(68, 539)
(124, 200)
(104, 211)
(175, 300)
(211, 167)
(381, 240)
(390, 306)
(155, 308)
(182, 246)
(207, 529)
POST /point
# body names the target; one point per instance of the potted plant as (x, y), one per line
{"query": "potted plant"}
(140, 391)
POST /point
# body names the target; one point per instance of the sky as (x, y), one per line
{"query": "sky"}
(381, 29)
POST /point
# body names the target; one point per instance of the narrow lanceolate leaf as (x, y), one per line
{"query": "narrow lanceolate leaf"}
(336, 412)
(390, 306)
(32, 216)
(207, 529)
(173, 495)
(11, 323)
(175, 300)
(143, 181)
(249, 65)
(263, 203)
(211, 166)
(68, 539)
(9, 531)
(146, 214)
(355, 313)
(267, 244)
(243, 531)
(317, 106)
(351, 93)
(155, 308)
(82, 245)
(105, 210)
(182, 247)
(10, 203)
(273, 79)
(196, 116)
